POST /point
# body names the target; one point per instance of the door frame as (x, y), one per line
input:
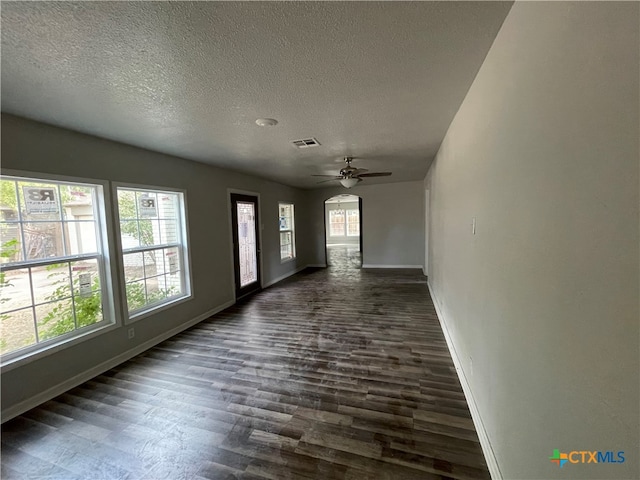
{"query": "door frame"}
(325, 234)
(235, 191)
(427, 224)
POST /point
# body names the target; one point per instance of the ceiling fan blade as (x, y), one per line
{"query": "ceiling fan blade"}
(375, 174)
(332, 176)
(358, 171)
(330, 180)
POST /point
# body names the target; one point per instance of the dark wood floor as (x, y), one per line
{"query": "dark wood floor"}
(338, 373)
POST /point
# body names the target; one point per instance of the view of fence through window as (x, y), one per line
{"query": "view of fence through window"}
(51, 262)
(152, 245)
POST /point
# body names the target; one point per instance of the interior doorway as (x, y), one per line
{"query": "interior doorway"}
(246, 243)
(343, 231)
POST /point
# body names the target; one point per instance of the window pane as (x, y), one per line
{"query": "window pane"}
(147, 203)
(285, 238)
(156, 289)
(77, 202)
(336, 223)
(18, 330)
(127, 204)
(149, 234)
(286, 246)
(133, 266)
(81, 237)
(286, 216)
(9, 202)
(169, 231)
(87, 292)
(43, 240)
(85, 276)
(55, 319)
(51, 282)
(353, 222)
(173, 265)
(136, 295)
(129, 234)
(88, 308)
(151, 260)
(15, 290)
(11, 246)
(39, 201)
(168, 205)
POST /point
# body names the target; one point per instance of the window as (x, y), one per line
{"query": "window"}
(154, 247)
(336, 223)
(54, 277)
(344, 223)
(287, 237)
(353, 223)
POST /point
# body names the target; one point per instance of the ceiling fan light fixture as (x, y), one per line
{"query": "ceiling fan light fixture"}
(266, 122)
(349, 182)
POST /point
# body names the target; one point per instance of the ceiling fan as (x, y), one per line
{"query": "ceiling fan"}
(350, 176)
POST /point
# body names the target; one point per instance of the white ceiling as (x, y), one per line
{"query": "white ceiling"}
(378, 81)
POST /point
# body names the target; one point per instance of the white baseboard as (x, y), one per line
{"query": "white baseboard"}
(76, 380)
(369, 265)
(485, 443)
(282, 277)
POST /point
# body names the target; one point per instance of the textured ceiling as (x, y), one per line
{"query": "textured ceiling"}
(378, 81)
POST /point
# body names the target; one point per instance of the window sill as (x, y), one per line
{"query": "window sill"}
(32, 356)
(287, 260)
(156, 308)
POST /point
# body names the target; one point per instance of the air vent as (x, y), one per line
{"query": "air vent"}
(306, 143)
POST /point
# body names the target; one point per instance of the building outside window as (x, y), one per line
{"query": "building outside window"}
(287, 228)
(54, 280)
(154, 247)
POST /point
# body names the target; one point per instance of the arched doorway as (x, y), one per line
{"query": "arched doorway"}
(343, 231)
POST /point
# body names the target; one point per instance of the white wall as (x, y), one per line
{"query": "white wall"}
(392, 223)
(542, 303)
(36, 147)
(340, 239)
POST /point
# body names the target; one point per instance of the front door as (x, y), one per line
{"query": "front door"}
(246, 250)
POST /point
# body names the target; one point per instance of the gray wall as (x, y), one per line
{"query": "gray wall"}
(392, 223)
(36, 147)
(542, 303)
(342, 238)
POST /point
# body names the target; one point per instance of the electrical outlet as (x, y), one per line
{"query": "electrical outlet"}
(132, 333)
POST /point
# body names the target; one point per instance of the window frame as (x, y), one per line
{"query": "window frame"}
(183, 228)
(291, 230)
(105, 257)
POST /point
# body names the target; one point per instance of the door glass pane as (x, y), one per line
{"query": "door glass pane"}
(247, 243)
